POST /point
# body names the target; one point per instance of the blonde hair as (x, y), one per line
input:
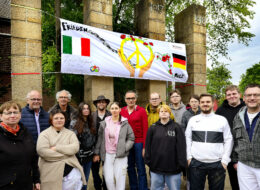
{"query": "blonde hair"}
(165, 107)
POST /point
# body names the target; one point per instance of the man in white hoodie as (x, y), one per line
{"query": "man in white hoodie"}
(209, 145)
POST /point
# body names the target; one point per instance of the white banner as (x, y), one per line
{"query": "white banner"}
(92, 51)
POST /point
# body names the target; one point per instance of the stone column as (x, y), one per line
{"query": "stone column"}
(26, 47)
(98, 13)
(150, 23)
(190, 29)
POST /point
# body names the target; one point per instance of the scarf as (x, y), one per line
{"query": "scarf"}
(10, 129)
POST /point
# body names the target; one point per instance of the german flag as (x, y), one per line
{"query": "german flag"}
(179, 61)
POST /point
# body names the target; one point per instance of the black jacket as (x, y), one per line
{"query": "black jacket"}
(229, 112)
(28, 120)
(18, 160)
(69, 114)
(165, 148)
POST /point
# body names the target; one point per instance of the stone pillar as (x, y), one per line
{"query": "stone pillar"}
(150, 23)
(98, 13)
(26, 47)
(190, 29)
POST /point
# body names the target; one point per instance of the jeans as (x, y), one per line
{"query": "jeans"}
(158, 181)
(136, 166)
(98, 184)
(233, 176)
(198, 172)
(86, 168)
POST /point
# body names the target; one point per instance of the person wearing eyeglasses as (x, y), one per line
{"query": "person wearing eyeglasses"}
(18, 158)
(176, 105)
(63, 98)
(137, 119)
(34, 117)
(151, 108)
(246, 133)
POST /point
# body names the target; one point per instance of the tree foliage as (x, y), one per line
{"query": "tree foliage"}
(226, 21)
(218, 77)
(70, 10)
(252, 76)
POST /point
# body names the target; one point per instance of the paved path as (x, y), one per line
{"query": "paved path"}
(91, 187)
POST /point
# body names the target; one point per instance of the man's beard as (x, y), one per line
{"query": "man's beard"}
(102, 109)
(207, 111)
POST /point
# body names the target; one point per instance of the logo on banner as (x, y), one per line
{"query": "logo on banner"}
(141, 61)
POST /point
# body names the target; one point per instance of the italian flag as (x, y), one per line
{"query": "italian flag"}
(76, 46)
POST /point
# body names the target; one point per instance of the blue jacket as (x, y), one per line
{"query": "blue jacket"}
(28, 120)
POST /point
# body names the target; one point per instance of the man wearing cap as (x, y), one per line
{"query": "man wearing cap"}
(101, 104)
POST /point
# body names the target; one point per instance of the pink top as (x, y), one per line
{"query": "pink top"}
(111, 135)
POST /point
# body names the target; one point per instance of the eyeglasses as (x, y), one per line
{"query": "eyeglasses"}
(133, 98)
(63, 97)
(36, 99)
(10, 113)
(252, 95)
(154, 99)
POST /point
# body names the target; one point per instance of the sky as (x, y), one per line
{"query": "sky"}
(243, 57)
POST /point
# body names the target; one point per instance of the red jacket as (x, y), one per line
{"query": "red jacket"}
(138, 121)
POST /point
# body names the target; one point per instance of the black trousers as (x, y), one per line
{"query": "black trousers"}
(233, 176)
(198, 172)
(98, 182)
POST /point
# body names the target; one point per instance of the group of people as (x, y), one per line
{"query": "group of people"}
(57, 149)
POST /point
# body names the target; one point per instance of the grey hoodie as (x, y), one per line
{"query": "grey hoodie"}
(178, 112)
(125, 140)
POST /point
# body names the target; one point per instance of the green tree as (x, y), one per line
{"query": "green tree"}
(70, 10)
(218, 77)
(226, 21)
(251, 76)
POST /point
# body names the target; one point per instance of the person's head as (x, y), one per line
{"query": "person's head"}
(155, 99)
(232, 95)
(115, 110)
(34, 100)
(164, 112)
(194, 102)
(84, 110)
(63, 97)
(10, 113)
(206, 103)
(57, 119)
(252, 96)
(175, 96)
(101, 102)
(84, 115)
(130, 98)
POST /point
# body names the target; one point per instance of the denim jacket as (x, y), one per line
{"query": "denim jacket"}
(245, 151)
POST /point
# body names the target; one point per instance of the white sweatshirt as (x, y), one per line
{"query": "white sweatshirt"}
(209, 139)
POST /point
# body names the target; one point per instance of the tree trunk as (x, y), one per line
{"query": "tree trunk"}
(58, 44)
